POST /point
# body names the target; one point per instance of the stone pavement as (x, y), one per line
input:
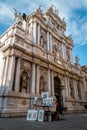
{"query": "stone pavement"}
(71, 122)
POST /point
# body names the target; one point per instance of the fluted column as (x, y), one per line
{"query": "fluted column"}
(71, 56)
(34, 32)
(38, 36)
(48, 82)
(33, 79)
(64, 52)
(17, 75)
(5, 71)
(81, 90)
(10, 75)
(50, 43)
(2, 76)
(37, 79)
(52, 83)
(47, 41)
(75, 90)
(66, 92)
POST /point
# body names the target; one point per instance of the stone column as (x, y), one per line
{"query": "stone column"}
(3, 68)
(52, 83)
(63, 55)
(75, 90)
(10, 75)
(37, 79)
(71, 57)
(48, 82)
(66, 91)
(64, 52)
(5, 71)
(34, 32)
(33, 79)
(81, 91)
(48, 41)
(17, 75)
(38, 36)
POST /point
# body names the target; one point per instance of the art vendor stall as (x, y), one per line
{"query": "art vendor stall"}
(42, 111)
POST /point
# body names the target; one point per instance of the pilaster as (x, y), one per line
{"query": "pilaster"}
(33, 79)
(48, 81)
(34, 32)
(38, 36)
(50, 42)
(47, 41)
(5, 71)
(37, 79)
(10, 75)
(52, 83)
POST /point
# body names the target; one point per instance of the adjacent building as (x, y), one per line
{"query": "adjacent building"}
(37, 57)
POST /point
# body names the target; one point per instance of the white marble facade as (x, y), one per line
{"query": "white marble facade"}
(37, 57)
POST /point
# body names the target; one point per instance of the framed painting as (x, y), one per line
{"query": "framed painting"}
(35, 100)
(49, 101)
(41, 115)
(45, 95)
(29, 114)
(32, 115)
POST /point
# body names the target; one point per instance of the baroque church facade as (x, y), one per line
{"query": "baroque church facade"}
(37, 57)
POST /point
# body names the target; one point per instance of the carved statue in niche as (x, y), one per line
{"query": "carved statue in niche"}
(57, 50)
(79, 90)
(71, 89)
(23, 82)
(42, 88)
(49, 22)
(25, 76)
(42, 39)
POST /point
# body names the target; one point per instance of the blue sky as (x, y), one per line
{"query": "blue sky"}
(74, 11)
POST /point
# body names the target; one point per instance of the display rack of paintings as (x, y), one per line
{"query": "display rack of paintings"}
(47, 101)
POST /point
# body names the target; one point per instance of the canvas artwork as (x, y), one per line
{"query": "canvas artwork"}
(45, 94)
(41, 115)
(35, 100)
(32, 115)
(48, 101)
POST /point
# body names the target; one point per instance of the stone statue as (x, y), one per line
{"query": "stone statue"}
(56, 11)
(38, 10)
(42, 39)
(50, 8)
(41, 85)
(23, 82)
(17, 15)
(77, 59)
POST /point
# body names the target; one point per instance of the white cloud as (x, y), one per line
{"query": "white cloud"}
(5, 13)
(65, 7)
